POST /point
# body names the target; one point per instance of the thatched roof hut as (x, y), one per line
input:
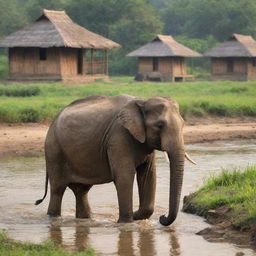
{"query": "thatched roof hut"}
(56, 33)
(236, 46)
(234, 59)
(163, 59)
(163, 46)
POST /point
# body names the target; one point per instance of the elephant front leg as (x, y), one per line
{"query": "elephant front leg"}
(124, 187)
(146, 178)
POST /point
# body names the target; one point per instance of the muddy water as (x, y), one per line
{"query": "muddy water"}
(22, 182)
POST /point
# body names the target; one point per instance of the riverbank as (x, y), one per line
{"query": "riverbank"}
(12, 248)
(27, 139)
(227, 201)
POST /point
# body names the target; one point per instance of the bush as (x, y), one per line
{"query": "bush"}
(3, 66)
(238, 89)
(19, 91)
(29, 115)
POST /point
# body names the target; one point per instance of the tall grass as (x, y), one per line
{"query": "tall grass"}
(19, 91)
(40, 102)
(11, 248)
(236, 190)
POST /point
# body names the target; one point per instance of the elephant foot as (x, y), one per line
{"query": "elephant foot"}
(125, 220)
(83, 215)
(52, 215)
(142, 214)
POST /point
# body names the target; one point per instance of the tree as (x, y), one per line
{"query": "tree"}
(34, 8)
(130, 23)
(11, 19)
(219, 18)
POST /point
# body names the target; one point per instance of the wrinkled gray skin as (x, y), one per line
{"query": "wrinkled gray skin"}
(102, 139)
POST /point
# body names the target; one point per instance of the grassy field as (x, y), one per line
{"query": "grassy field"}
(10, 248)
(236, 190)
(41, 102)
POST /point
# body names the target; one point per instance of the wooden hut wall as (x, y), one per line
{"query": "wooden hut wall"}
(68, 60)
(218, 66)
(168, 67)
(26, 62)
(229, 68)
(178, 66)
(145, 65)
(165, 65)
(251, 68)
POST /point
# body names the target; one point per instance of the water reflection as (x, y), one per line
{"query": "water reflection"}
(23, 184)
(125, 243)
(125, 240)
(174, 245)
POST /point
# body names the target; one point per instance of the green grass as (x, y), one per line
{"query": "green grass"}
(41, 102)
(9, 247)
(236, 189)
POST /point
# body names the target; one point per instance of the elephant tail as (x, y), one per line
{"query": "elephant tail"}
(45, 193)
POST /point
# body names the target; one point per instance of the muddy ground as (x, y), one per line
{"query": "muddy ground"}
(223, 229)
(28, 139)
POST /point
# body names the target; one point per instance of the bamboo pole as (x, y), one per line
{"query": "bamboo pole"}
(106, 62)
(92, 61)
(9, 62)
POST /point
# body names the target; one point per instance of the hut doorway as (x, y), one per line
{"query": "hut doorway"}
(80, 61)
(155, 64)
(230, 65)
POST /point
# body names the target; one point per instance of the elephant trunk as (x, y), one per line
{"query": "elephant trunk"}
(176, 158)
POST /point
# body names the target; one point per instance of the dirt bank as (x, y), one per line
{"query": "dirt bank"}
(223, 229)
(28, 139)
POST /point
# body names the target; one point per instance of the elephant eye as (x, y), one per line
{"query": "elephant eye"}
(159, 124)
(146, 112)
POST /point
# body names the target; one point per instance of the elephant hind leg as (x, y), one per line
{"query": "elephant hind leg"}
(54, 208)
(82, 206)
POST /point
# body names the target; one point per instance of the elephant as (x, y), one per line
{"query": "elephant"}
(102, 139)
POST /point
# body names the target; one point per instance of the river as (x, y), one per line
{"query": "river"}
(22, 182)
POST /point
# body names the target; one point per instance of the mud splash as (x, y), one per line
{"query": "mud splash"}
(23, 183)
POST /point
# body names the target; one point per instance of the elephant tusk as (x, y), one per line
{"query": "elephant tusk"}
(186, 156)
(189, 159)
(166, 157)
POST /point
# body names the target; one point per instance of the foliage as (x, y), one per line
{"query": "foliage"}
(33, 8)
(222, 98)
(19, 90)
(235, 189)
(197, 44)
(3, 66)
(11, 18)
(12, 248)
(131, 23)
(200, 18)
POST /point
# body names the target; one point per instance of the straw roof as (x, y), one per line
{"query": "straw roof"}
(56, 29)
(236, 46)
(163, 46)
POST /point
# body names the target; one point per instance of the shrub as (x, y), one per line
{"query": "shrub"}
(19, 91)
(29, 115)
(238, 89)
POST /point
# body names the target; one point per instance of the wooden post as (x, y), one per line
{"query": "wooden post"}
(85, 62)
(9, 62)
(106, 62)
(92, 61)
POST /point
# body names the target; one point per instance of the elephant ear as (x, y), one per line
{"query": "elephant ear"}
(131, 118)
